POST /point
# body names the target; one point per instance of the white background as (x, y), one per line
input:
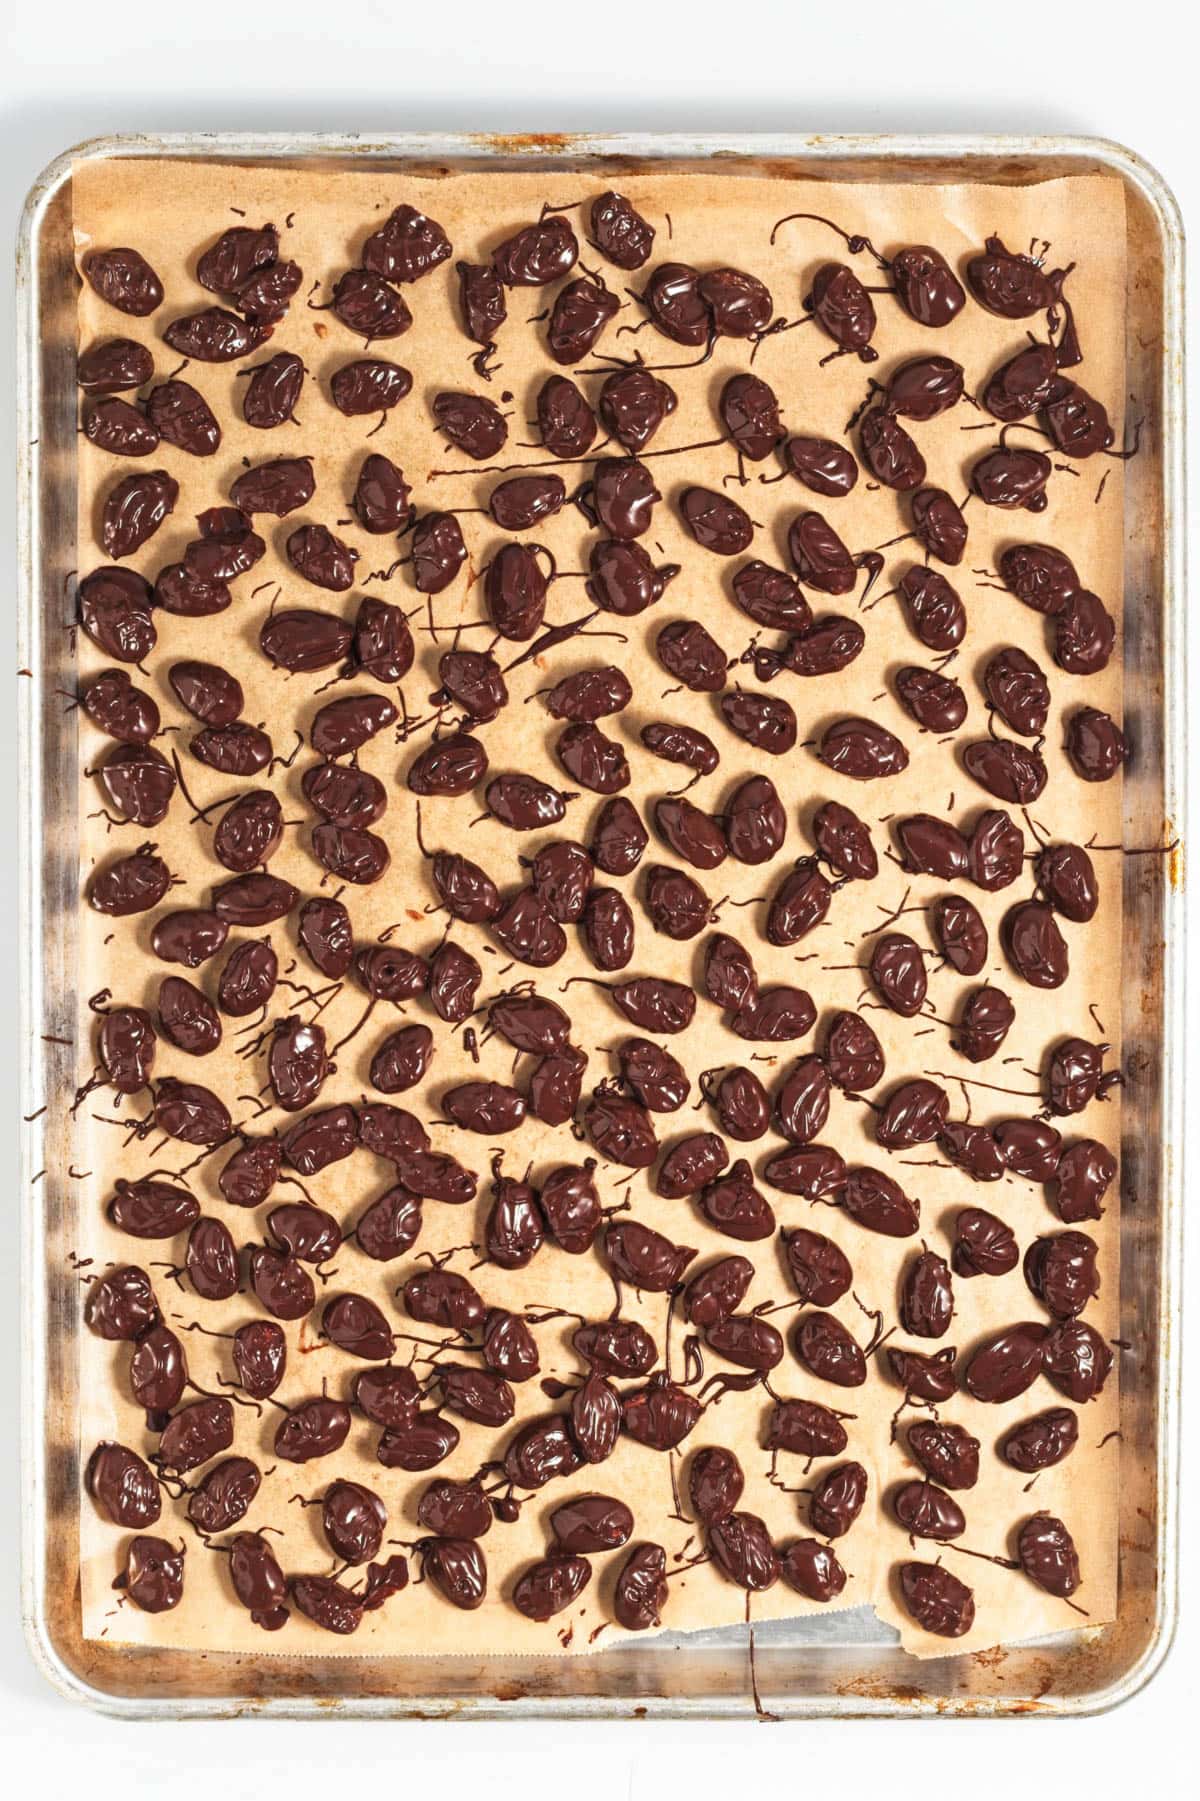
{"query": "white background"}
(77, 68)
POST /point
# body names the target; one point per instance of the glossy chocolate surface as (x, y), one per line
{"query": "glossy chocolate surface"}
(337, 984)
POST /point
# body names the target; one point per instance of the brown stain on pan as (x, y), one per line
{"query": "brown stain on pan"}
(525, 142)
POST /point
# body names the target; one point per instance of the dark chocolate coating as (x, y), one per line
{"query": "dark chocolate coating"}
(119, 428)
(674, 302)
(1084, 634)
(1082, 1179)
(862, 749)
(367, 385)
(765, 721)
(874, 1200)
(805, 1428)
(947, 1453)
(641, 1592)
(844, 309)
(819, 1268)
(897, 970)
(213, 335)
(124, 279)
(134, 509)
(995, 850)
(715, 1484)
(926, 286)
(823, 465)
(923, 1376)
(120, 710)
(1034, 945)
(457, 1568)
(1024, 384)
(748, 1341)
(1061, 1271)
(1007, 1363)
(547, 1587)
(153, 1574)
(974, 1150)
(749, 412)
(690, 653)
(812, 1569)
(1067, 877)
(960, 933)
(565, 420)
(1039, 1442)
(837, 1500)
(623, 579)
(224, 1495)
(327, 1603)
(937, 1600)
(1046, 1552)
(579, 315)
(799, 903)
(1077, 1360)
(406, 247)
(121, 1304)
(591, 758)
(123, 1487)
(818, 555)
(182, 416)
(933, 608)
(195, 1434)
(984, 1024)
(939, 525)
(1012, 772)
(619, 231)
(927, 1297)
(472, 423)
(771, 598)
(889, 452)
(114, 366)
(845, 841)
(853, 1054)
(741, 1548)
(715, 521)
(1095, 744)
(826, 1347)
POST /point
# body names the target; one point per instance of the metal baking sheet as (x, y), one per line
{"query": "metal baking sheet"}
(848, 1664)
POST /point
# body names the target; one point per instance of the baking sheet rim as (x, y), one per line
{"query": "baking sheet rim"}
(896, 148)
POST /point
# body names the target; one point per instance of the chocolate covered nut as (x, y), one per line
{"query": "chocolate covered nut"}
(937, 1600)
(1046, 1552)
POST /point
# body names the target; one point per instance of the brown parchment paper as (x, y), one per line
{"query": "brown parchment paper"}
(170, 210)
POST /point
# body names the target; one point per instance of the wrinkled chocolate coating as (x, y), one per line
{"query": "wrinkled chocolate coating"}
(947, 1453)
(1077, 1360)
(1095, 745)
(936, 1599)
(844, 309)
(983, 1244)
(153, 1574)
(1046, 1552)
(829, 1350)
(933, 608)
(837, 1500)
(123, 1487)
(1034, 945)
(741, 1548)
(1083, 1176)
(1039, 1442)
(124, 279)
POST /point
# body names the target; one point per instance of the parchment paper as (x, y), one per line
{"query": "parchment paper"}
(171, 211)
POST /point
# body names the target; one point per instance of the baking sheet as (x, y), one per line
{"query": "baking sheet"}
(170, 211)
